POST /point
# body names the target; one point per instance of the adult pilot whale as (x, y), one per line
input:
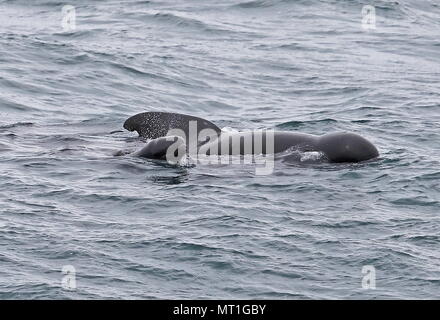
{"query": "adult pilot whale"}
(156, 128)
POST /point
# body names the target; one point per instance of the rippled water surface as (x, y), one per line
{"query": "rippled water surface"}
(134, 228)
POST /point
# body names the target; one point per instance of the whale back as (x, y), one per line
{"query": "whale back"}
(346, 147)
(153, 125)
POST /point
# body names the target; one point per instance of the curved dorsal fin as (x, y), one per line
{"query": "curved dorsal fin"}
(153, 125)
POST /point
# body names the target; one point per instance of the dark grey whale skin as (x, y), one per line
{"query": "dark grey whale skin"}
(153, 125)
(338, 146)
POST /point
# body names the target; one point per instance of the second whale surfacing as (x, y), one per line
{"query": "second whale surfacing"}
(165, 130)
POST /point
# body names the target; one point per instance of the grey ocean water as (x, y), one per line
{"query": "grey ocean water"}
(134, 228)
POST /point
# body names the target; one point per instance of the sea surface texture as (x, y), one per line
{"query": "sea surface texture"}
(82, 217)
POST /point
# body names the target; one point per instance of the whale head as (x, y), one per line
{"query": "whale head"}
(347, 147)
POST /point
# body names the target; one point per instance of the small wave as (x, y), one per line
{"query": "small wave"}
(429, 176)
(4, 147)
(415, 201)
(181, 22)
(15, 125)
(297, 124)
(255, 4)
(312, 156)
(305, 157)
(79, 34)
(362, 121)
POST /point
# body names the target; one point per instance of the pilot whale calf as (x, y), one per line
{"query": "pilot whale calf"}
(338, 147)
(160, 147)
(172, 135)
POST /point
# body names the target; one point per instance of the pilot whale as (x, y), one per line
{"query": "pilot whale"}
(164, 131)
